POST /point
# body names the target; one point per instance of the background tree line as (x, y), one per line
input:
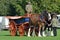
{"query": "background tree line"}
(17, 7)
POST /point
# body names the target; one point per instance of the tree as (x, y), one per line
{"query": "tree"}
(17, 7)
(4, 7)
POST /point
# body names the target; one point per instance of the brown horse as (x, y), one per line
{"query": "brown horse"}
(35, 21)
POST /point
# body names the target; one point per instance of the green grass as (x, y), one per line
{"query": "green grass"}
(4, 35)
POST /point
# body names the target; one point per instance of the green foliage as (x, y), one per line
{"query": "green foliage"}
(4, 7)
(13, 7)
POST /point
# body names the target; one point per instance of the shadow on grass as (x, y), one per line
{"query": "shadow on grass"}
(10, 35)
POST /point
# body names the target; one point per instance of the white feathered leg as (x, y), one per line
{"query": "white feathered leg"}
(44, 34)
(29, 32)
(39, 34)
(52, 33)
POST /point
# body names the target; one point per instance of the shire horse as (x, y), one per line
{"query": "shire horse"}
(36, 22)
(41, 21)
(48, 25)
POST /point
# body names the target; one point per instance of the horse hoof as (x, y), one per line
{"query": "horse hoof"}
(29, 36)
(52, 35)
(39, 36)
(44, 36)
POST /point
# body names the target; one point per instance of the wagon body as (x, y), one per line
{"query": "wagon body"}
(17, 23)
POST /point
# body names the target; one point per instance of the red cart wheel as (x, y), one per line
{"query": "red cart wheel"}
(12, 28)
(21, 30)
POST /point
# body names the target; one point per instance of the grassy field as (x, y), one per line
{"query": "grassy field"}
(4, 35)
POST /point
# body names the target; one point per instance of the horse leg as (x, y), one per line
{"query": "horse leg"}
(43, 33)
(52, 31)
(39, 34)
(49, 29)
(25, 29)
(33, 31)
(29, 32)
